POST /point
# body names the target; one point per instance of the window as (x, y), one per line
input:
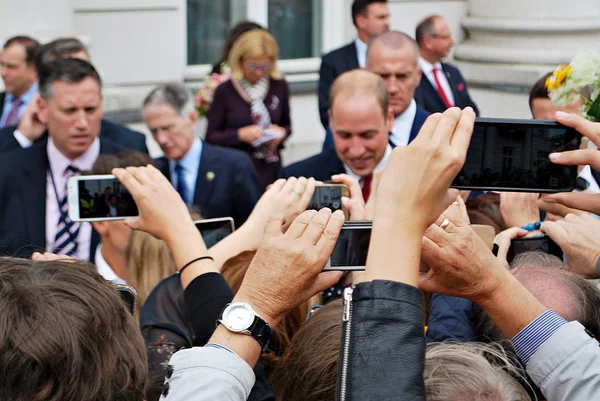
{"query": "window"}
(295, 24)
(507, 158)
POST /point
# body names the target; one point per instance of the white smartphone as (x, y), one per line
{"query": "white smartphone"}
(99, 198)
(214, 230)
(351, 248)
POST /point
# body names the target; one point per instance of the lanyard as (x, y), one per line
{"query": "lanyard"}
(63, 216)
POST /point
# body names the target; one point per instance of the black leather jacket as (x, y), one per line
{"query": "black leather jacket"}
(382, 353)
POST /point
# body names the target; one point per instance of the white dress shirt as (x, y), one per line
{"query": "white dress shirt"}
(361, 52)
(58, 164)
(403, 125)
(427, 69)
(190, 164)
(104, 268)
(381, 165)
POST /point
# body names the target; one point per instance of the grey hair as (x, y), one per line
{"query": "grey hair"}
(536, 259)
(472, 372)
(175, 94)
(394, 40)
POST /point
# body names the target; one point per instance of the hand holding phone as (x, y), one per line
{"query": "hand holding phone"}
(214, 230)
(329, 196)
(351, 248)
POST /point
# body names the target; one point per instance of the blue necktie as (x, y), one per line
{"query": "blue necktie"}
(181, 187)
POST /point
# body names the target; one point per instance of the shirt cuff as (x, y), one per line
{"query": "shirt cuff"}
(22, 139)
(531, 338)
(219, 346)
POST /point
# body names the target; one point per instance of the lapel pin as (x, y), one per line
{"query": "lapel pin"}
(210, 176)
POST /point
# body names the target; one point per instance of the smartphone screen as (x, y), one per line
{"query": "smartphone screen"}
(214, 230)
(98, 198)
(512, 155)
(329, 196)
(351, 248)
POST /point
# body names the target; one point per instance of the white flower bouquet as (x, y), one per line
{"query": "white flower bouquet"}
(580, 80)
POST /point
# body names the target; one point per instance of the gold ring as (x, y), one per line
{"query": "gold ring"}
(445, 224)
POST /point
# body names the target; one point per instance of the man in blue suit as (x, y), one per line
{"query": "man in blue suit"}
(370, 17)
(394, 56)
(217, 181)
(443, 86)
(361, 119)
(30, 129)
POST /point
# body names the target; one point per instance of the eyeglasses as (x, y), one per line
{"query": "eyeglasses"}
(258, 67)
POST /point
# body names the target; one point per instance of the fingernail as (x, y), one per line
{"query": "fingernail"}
(549, 200)
(339, 212)
(554, 156)
(562, 114)
(469, 108)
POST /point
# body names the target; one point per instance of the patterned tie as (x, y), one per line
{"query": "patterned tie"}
(366, 189)
(13, 115)
(65, 240)
(440, 89)
(181, 187)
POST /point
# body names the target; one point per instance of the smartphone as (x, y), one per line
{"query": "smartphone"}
(541, 244)
(99, 198)
(351, 248)
(214, 230)
(512, 155)
(128, 295)
(328, 195)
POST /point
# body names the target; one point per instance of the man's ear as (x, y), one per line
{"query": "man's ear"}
(42, 109)
(101, 227)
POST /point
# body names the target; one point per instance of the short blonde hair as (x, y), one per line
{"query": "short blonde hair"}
(255, 43)
(360, 83)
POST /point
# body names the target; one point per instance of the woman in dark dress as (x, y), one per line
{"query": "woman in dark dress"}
(251, 111)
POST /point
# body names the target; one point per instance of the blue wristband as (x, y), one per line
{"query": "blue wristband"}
(532, 226)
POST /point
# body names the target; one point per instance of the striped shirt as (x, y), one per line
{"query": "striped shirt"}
(536, 333)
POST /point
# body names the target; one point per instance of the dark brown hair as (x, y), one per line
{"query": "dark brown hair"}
(106, 163)
(308, 371)
(359, 7)
(58, 48)
(66, 335)
(539, 90)
(31, 47)
(425, 27)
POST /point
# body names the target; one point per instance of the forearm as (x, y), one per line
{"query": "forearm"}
(239, 241)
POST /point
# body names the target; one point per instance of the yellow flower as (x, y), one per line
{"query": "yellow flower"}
(558, 77)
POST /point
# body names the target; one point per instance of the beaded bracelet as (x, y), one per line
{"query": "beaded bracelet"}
(532, 226)
(194, 261)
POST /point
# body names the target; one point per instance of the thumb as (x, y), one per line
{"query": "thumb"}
(273, 228)
(325, 280)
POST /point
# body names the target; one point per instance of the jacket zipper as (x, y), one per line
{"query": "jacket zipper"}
(347, 319)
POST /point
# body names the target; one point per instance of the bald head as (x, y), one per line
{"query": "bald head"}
(360, 83)
(394, 56)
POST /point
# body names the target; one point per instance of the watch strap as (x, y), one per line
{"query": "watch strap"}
(261, 332)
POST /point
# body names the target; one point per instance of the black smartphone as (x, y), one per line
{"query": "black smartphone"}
(214, 230)
(128, 295)
(328, 195)
(98, 198)
(351, 248)
(541, 244)
(512, 155)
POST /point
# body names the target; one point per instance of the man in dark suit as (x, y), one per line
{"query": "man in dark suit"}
(361, 120)
(220, 182)
(33, 193)
(443, 85)
(394, 56)
(30, 129)
(370, 17)
(19, 75)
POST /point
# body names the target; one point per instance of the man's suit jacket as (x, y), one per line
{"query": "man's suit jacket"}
(334, 64)
(227, 185)
(118, 134)
(418, 122)
(428, 97)
(23, 199)
(2, 96)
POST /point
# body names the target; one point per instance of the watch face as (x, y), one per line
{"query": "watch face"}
(238, 317)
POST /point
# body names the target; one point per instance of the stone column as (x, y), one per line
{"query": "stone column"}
(516, 41)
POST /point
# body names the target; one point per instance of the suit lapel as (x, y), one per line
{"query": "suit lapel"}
(452, 83)
(433, 90)
(206, 175)
(352, 56)
(33, 193)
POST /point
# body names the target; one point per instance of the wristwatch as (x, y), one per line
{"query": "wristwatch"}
(239, 317)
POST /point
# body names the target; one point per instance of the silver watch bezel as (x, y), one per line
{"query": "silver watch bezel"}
(226, 317)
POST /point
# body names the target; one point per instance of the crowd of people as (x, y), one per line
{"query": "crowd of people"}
(442, 311)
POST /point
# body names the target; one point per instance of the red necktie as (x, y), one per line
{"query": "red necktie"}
(440, 89)
(366, 189)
